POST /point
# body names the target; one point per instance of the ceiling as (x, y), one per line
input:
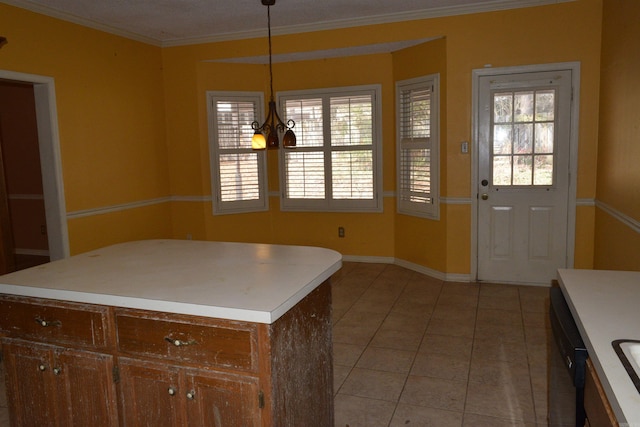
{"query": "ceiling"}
(180, 22)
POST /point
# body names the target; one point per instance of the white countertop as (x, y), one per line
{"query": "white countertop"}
(606, 307)
(236, 281)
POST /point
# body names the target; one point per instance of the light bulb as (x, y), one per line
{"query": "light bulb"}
(258, 142)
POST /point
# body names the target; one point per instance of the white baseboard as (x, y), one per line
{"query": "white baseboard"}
(447, 277)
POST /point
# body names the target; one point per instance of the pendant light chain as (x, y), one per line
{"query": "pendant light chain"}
(270, 61)
(266, 135)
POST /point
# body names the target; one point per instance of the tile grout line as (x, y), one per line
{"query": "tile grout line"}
(415, 354)
(473, 341)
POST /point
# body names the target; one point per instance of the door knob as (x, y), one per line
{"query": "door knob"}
(484, 196)
(484, 182)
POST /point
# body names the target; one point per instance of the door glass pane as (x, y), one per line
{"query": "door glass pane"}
(522, 170)
(543, 170)
(502, 139)
(544, 138)
(502, 107)
(545, 105)
(502, 170)
(523, 107)
(523, 138)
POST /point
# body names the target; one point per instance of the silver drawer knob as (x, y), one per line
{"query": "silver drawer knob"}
(46, 323)
(191, 395)
(42, 368)
(180, 343)
(172, 391)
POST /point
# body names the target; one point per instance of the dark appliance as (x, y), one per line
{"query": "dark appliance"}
(567, 365)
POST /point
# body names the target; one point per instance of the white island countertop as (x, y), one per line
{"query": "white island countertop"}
(236, 281)
(606, 307)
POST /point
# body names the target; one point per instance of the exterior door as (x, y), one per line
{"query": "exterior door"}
(523, 175)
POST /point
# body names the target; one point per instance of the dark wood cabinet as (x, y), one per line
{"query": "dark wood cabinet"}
(596, 404)
(153, 394)
(217, 400)
(149, 394)
(55, 386)
(71, 364)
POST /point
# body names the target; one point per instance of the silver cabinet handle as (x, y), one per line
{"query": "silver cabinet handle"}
(180, 343)
(42, 368)
(57, 371)
(46, 323)
(171, 391)
(191, 395)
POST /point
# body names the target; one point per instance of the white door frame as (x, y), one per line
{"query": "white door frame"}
(573, 150)
(50, 160)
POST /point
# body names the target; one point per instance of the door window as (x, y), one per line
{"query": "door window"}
(523, 137)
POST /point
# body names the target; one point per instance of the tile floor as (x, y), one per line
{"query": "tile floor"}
(410, 350)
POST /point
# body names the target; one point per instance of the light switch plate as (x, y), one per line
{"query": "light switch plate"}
(464, 147)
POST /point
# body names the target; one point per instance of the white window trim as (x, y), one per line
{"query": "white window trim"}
(329, 205)
(424, 210)
(219, 207)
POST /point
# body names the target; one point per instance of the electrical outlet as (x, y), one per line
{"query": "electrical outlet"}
(340, 231)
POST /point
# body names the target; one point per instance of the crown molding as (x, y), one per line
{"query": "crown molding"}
(414, 15)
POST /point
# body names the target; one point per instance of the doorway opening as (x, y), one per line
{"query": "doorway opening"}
(32, 207)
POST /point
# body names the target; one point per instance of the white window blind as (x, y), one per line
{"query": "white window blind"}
(238, 178)
(418, 142)
(335, 166)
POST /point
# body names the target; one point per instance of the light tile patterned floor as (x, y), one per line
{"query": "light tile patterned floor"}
(410, 350)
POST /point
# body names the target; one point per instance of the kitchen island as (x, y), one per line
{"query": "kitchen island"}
(606, 307)
(168, 332)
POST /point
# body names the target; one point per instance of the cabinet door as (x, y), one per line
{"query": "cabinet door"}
(86, 388)
(219, 400)
(52, 386)
(30, 383)
(150, 394)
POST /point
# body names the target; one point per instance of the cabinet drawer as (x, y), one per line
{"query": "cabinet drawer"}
(189, 339)
(54, 321)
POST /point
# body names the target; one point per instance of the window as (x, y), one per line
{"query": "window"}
(417, 106)
(238, 174)
(522, 129)
(336, 165)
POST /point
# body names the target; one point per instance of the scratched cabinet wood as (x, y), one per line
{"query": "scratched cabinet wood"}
(131, 367)
(48, 385)
(160, 395)
(596, 404)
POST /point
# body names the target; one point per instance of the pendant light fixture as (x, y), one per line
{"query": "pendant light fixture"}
(266, 135)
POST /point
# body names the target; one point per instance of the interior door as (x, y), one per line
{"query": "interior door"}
(523, 176)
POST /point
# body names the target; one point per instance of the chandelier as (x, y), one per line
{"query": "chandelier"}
(273, 124)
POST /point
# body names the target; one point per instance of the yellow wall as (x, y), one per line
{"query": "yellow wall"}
(617, 245)
(424, 241)
(557, 33)
(133, 123)
(111, 119)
